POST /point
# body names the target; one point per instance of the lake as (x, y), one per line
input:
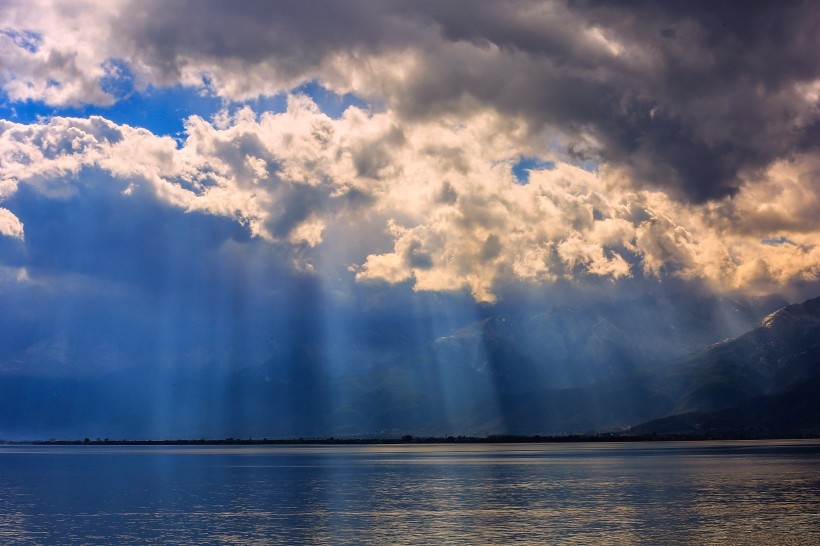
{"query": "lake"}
(757, 492)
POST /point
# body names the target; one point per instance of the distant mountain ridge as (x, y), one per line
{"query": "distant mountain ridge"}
(562, 370)
(764, 383)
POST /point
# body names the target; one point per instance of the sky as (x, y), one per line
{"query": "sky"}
(198, 180)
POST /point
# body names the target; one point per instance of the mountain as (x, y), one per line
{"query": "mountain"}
(522, 369)
(763, 383)
(570, 370)
(794, 413)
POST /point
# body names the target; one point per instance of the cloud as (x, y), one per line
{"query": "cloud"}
(688, 99)
(261, 173)
(49, 55)
(10, 225)
(697, 126)
(433, 203)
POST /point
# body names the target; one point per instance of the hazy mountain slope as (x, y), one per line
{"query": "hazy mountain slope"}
(764, 383)
(792, 413)
(779, 354)
(560, 369)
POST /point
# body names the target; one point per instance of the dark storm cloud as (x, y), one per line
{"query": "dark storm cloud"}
(688, 96)
(295, 36)
(699, 93)
(699, 100)
(722, 97)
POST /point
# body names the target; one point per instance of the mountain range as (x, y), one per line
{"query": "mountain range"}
(763, 383)
(636, 367)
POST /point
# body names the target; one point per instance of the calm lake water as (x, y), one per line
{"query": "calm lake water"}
(601, 493)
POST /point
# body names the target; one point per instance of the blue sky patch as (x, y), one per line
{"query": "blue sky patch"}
(332, 104)
(118, 81)
(160, 110)
(30, 41)
(778, 241)
(163, 110)
(521, 169)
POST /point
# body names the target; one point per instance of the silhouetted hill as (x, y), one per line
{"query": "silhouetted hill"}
(794, 413)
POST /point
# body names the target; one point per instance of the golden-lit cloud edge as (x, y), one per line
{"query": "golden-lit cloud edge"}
(441, 197)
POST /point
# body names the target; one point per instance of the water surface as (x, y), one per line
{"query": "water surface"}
(596, 493)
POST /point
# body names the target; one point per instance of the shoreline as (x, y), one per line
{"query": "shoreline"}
(409, 440)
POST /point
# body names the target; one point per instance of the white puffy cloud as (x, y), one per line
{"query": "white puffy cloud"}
(10, 225)
(50, 53)
(440, 194)
(692, 98)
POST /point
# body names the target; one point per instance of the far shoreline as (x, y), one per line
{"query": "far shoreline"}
(415, 440)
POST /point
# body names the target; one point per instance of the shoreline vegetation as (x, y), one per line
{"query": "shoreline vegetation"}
(409, 439)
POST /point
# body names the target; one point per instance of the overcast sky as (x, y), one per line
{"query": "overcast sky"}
(189, 165)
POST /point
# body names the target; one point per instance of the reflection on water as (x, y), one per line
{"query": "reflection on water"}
(652, 493)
